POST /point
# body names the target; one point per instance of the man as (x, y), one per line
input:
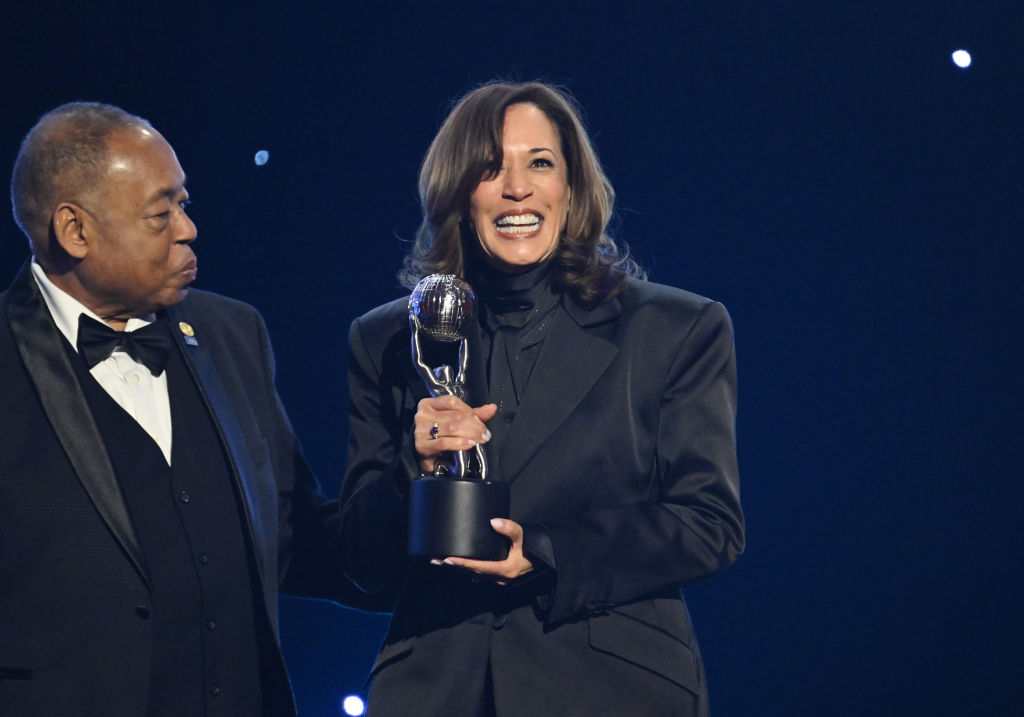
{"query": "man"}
(152, 493)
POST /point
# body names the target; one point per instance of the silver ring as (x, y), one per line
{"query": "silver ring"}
(434, 432)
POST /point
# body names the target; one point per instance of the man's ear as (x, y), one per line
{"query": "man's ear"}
(69, 229)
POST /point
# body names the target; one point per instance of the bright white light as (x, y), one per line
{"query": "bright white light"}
(353, 705)
(261, 158)
(962, 58)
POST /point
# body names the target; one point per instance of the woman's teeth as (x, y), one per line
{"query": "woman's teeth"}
(518, 224)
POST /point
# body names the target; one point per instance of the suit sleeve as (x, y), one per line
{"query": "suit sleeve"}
(692, 526)
(308, 522)
(381, 465)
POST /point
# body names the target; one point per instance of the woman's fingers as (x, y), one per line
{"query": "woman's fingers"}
(442, 403)
(486, 412)
(446, 423)
(501, 571)
(448, 433)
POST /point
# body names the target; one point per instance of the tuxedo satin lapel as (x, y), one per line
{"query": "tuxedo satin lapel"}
(232, 435)
(571, 361)
(42, 351)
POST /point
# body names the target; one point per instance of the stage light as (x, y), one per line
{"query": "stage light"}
(962, 59)
(261, 158)
(353, 705)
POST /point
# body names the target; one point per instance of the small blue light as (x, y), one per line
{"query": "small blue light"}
(353, 705)
(261, 158)
(962, 59)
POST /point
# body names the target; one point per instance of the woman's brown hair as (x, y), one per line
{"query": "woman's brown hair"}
(587, 263)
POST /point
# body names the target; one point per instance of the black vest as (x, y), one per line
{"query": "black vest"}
(212, 640)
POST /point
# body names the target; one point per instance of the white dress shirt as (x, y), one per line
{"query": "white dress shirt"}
(136, 390)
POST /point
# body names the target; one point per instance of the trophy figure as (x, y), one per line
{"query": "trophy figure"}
(450, 511)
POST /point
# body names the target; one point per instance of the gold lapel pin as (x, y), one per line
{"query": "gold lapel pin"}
(188, 332)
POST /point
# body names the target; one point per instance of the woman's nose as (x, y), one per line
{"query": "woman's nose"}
(516, 184)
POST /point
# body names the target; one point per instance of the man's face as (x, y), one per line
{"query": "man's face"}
(137, 233)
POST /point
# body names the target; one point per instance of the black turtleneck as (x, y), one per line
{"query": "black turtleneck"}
(515, 312)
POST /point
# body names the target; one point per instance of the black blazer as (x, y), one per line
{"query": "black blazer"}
(623, 451)
(74, 633)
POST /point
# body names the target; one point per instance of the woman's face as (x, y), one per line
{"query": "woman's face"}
(519, 213)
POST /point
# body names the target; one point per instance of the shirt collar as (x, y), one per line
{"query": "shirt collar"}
(65, 309)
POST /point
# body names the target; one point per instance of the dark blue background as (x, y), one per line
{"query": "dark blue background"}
(820, 167)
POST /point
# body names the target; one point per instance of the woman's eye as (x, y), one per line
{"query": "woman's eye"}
(542, 162)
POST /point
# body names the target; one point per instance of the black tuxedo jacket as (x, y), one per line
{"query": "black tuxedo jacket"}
(74, 631)
(623, 453)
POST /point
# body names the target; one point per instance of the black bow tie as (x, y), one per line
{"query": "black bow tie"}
(148, 345)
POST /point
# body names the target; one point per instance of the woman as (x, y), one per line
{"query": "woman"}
(606, 402)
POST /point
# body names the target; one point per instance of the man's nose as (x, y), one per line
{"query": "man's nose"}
(186, 230)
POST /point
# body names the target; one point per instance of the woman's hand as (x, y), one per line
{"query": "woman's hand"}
(460, 428)
(500, 571)
(446, 423)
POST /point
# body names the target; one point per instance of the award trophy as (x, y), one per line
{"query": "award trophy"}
(450, 511)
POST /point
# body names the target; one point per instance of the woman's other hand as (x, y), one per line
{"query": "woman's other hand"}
(500, 571)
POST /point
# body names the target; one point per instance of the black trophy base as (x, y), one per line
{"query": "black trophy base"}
(449, 517)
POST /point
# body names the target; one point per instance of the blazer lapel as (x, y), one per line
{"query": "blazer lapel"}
(571, 361)
(232, 435)
(42, 351)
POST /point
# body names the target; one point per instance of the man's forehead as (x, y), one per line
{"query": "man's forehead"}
(130, 143)
(141, 169)
(142, 150)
